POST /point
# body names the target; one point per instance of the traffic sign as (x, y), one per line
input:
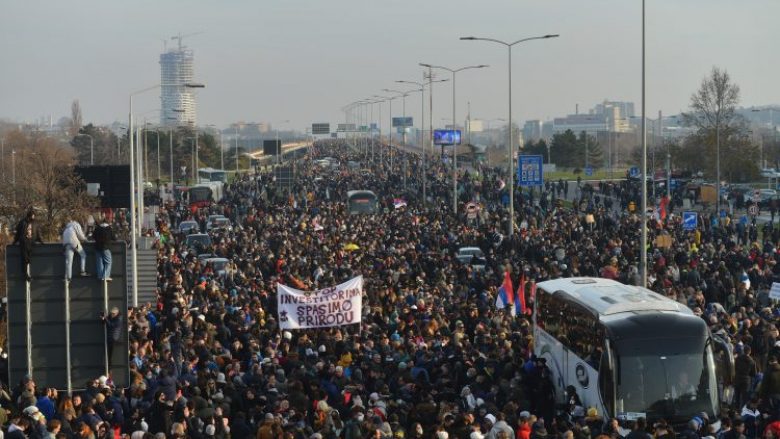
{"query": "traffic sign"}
(320, 128)
(530, 170)
(753, 210)
(589, 171)
(690, 220)
(634, 172)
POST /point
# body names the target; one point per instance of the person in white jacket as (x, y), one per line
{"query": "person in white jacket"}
(72, 237)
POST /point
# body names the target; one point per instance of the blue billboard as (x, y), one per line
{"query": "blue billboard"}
(530, 170)
(446, 137)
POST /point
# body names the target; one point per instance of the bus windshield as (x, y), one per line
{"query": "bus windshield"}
(671, 379)
(362, 202)
(206, 175)
(200, 194)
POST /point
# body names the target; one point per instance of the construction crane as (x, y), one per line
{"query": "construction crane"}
(180, 37)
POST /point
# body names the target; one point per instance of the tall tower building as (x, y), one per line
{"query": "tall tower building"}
(178, 106)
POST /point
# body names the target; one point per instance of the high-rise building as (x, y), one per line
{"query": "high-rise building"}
(589, 123)
(626, 108)
(178, 106)
(532, 130)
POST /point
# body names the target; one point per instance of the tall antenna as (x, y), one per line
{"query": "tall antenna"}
(180, 37)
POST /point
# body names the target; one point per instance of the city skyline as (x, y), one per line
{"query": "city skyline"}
(302, 62)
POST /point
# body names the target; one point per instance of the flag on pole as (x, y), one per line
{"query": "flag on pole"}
(520, 299)
(504, 296)
(533, 293)
(664, 204)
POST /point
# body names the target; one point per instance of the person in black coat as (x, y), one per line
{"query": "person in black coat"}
(113, 323)
(26, 235)
(103, 236)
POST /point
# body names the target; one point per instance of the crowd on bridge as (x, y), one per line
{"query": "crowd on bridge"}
(432, 358)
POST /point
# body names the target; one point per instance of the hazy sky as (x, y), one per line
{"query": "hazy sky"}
(273, 60)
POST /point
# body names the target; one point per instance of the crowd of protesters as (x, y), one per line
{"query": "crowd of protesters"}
(432, 358)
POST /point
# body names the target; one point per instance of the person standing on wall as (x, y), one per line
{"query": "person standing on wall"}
(27, 234)
(104, 236)
(72, 237)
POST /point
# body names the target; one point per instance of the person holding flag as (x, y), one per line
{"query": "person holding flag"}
(504, 297)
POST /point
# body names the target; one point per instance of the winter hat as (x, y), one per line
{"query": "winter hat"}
(490, 418)
(210, 430)
(287, 335)
(221, 378)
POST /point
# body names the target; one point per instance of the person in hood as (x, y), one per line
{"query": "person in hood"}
(72, 237)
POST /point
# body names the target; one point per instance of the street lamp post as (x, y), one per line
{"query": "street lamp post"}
(134, 189)
(422, 86)
(454, 122)
(643, 240)
(510, 147)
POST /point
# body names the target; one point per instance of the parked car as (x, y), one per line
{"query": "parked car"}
(473, 256)
(197, 241)
(218, 222)
(218, 264)
(189, 227)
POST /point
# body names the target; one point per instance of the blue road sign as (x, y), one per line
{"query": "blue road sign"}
(530, 170)
(589, 171)
(634, 172)
(690, 220)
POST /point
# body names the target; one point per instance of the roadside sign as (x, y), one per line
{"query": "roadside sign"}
(530, 170)
(589, 171)
(634, 172)
(690, 220)
(753, 210)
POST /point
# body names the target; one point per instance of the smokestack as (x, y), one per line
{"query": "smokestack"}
(576, 108)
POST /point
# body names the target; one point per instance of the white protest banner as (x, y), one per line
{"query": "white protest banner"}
(333, 306)
(774, 293)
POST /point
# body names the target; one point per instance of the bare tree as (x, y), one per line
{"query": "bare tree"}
(713, 105)
(45, 180)
(76, 118)
(713, 113)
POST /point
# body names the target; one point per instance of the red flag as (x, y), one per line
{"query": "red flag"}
(533, 293)
(520, 307)
(664, 203)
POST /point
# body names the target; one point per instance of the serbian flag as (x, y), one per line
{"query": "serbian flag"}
(399, 203)
(501, 185)
(520, 299)
(504, 296)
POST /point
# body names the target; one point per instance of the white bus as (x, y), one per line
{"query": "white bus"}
(206, 175)
(627, 351)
